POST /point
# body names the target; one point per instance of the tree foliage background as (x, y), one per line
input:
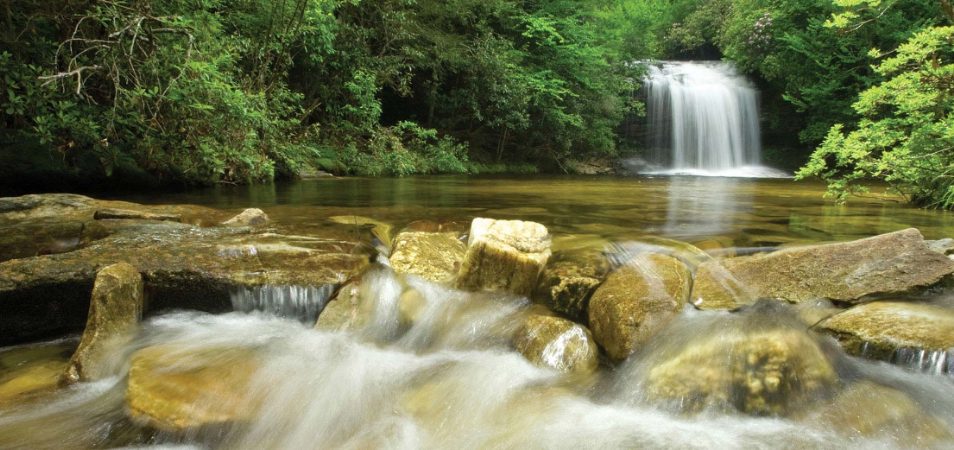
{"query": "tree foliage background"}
(213, 91)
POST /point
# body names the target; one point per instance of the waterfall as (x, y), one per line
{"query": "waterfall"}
(295, 302)
(703, 117)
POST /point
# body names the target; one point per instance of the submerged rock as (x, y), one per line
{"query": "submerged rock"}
(433, 256)
(870, 410)
(30, 380)
(912, 334)
(763, 372)
(569, 279)
(557, 343)
(636, 300)
(504, 255)
(114, 312)
(251, 217)
(850, 272)
(177, 390)
(381, 230)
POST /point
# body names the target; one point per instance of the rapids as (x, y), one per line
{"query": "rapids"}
(448, 380)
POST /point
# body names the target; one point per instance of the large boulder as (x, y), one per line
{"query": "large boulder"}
(177, 390)
(761, 372)
(569, 279)
(433, 256)
(504, 255)
(114, 312)
(849, 272)
(557, 343)
(636, 300)
(904, 332)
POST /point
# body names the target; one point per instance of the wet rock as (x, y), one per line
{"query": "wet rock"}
(636, 300)
(251, 217)
(850, 272)
(433, 256)
(760, 372)
(176, 390)
(346, 311)
(195, 268)
(114, 312)
(890, 330)
(870, 410)
(943, 246)
(504, 255)
(113, 213)
(557, 343)
(569, 279)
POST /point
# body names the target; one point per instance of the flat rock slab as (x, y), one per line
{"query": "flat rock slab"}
(850, 272)
(183, 266)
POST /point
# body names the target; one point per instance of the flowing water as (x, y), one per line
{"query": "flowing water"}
(448, 377)
(703, 120)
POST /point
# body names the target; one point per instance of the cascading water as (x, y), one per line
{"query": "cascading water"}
(703, 119)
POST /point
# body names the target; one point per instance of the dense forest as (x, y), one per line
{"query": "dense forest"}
(191, 92)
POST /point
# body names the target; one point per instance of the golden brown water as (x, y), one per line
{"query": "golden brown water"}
(732, 211)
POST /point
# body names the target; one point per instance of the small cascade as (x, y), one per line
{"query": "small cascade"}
(295, 302)
(934, 362)
(703, 116)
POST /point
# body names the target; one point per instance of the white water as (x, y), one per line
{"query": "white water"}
(448, 380)
(704, 120)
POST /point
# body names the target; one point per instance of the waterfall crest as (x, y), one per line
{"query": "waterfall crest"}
(703, 117)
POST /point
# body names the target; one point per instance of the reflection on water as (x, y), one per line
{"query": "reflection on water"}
(741, 212)
(700, 207)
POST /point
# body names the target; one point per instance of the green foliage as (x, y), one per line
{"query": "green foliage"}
(906, 134)
(211, 91)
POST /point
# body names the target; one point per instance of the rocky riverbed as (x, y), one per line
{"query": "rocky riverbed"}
(664, 324)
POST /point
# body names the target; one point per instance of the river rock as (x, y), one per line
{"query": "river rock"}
(759, 372)
(176, 390)
(114, 312)
(870, 410)
(345, 311)
(886, 330)
(504, 255)
(636, 301)
(251, 217)
(433, 256)
(557, 343)
(849, 272)
(569, 279)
